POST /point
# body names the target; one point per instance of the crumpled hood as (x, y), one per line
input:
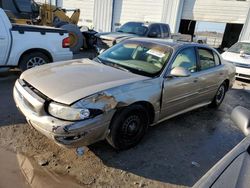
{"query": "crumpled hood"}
(114, 35)
(236, 58)
(69, 81)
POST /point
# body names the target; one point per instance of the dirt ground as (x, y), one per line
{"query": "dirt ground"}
(174, 153)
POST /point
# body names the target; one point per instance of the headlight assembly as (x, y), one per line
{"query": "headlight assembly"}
(70, 113)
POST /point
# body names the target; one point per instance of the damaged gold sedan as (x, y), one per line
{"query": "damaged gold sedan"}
(134, 84)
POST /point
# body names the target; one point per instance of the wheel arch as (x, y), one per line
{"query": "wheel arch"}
(227, 82)
(145, 104)
(45, 52)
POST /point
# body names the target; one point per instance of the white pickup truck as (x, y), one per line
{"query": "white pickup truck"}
(26, 46)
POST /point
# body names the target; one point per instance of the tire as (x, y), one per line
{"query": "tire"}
(219, 96)
(75, 35)
(128, 127)
(32, 60)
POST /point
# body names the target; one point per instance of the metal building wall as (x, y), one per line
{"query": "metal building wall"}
(171, 14)
(103, 13)
(136, 10)
(245, 33)
(230, 11)
(87, 10)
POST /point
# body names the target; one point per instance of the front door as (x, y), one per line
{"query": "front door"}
(180, 93)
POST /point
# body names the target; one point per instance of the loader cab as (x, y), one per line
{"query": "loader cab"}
(21, 9)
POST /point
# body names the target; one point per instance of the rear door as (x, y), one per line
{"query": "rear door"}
(155, 29)
(4, 42)
(211, 73)
(165, 31)
(181, 93)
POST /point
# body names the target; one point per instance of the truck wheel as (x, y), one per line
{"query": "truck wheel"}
(128, 127)
(75, 35)
(33, 59)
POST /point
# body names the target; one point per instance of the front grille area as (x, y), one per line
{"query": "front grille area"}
(242, 75)
(36, 91)
(30, 97)
(242, 65)
(26, 102)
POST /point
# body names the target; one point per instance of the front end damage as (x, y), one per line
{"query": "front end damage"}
(35, 107)
(65, 133)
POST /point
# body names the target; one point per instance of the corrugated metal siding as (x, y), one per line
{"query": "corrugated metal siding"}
(137, 10)
(87, 10)
(103, 10)
(216, 10)
(171, 14)
(245, 33)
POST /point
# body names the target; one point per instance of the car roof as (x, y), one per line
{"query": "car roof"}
(169, 42)
(146, 23)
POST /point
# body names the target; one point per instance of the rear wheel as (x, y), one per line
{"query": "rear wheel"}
(219, 97)
(75, 35)
(32, 60)
(128, 127)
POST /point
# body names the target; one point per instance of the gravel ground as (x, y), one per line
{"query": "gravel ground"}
(174, 153)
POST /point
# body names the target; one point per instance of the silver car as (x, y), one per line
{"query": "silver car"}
(136, 83)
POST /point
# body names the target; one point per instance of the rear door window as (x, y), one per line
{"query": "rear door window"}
(206, 57)
(155, 28)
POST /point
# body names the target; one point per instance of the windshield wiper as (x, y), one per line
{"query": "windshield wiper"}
(117, 66)
(99, 60)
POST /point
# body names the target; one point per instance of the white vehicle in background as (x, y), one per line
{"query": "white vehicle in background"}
(239, 55)
(26, 46)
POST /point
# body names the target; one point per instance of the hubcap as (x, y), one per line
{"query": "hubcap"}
(131, 126)
(220, 94)
(35, 61)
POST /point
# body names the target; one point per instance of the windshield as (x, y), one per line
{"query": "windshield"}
(147, 59)
(240, 46)
(133, 28)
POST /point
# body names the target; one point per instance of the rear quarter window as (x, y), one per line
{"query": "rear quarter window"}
(216, 59)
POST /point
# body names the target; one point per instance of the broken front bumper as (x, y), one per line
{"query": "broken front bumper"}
(66, 133)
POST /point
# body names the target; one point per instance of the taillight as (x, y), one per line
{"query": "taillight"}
(66, 42)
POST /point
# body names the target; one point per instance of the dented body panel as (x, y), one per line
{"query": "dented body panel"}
(91, 85)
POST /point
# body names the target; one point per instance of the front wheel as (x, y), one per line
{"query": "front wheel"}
(219, 97)
(32, 60)
(128, 127)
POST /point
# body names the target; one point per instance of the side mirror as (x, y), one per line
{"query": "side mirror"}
(241, 117)
(180, 72)
(152, 34)
(117, 29)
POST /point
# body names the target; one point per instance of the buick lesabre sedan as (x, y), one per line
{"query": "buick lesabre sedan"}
(136, 83)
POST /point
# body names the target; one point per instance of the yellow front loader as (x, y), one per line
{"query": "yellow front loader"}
(45, 14)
